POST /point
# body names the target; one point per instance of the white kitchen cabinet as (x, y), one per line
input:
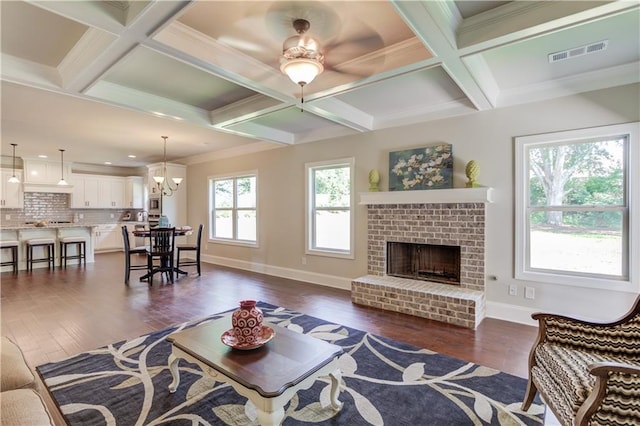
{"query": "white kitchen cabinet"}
(45, 172)
(98, 192)
(108, 237)
(111, 193)
(134, 192)
(11, 194)
(85, 192)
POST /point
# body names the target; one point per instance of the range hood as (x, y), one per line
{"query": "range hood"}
(43, 176)
(47, 187)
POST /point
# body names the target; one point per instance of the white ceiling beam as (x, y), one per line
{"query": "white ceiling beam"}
(194, 47)
(17, 70)
(96, 62)
(421, 17)
(340, 112)
(244, 109)
(92, 43)
(90, 13)
(126, 97)
(258, 131)
(516, 21)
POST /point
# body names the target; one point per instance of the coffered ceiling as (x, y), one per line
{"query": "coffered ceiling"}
(106, 79)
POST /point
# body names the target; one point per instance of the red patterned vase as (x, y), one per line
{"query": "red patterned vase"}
(247, 322)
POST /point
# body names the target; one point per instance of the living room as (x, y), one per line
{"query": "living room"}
(488, 136)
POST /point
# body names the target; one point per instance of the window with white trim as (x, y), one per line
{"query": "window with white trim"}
(577, 206)
(234, 208)
(330, 200)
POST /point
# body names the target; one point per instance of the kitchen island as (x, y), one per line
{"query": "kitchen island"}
(25, 232)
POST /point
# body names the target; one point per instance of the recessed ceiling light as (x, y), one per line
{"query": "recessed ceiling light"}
(131, 156)
(107, 163)
(42, 156)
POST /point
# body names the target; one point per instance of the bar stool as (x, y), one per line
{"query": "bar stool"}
(48, 244)
(81, 250)
(13, 246)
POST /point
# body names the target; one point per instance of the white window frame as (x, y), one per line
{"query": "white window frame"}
(310, 248)
(632, 191)
(235, 209)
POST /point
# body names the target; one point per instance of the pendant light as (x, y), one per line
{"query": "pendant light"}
(62, 182)
(13, 178)
(163, 182)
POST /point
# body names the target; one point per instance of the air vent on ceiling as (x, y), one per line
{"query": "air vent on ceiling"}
(578, 51)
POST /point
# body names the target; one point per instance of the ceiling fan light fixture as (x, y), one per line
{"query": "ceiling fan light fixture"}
(302, 71)
(301, 56)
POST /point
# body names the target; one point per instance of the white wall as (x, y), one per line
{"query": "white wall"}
(487, 137)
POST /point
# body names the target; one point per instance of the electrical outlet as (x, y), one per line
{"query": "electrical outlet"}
(111, 216)
(81, 216)
(7, 217)
(529, 293)
(513, 290)
(304, 260)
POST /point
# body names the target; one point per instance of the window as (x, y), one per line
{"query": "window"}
(577, 207)
(234, 212)
(330, 200)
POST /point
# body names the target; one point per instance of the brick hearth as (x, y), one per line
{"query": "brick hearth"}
(457, 224)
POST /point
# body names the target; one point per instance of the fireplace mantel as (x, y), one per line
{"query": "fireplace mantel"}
(455, 195)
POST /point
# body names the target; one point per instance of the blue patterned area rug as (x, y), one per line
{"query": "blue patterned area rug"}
(385, 382)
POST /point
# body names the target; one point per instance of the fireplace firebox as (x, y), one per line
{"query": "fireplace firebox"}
(428, 262)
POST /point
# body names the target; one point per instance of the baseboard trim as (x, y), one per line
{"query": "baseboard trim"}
(501, 311)
(277, 271)
(512, 313)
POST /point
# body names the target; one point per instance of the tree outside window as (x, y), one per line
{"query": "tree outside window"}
(573, 211)
(330, 201)
(234, 208)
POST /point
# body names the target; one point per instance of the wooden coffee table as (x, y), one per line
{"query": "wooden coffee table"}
(268, 376)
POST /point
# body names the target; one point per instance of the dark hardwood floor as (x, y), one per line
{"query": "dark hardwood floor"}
(53, 315)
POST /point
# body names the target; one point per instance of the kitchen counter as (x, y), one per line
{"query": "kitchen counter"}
(55, 231)
(50, 226)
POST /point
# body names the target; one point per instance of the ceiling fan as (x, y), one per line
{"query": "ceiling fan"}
(303, 57)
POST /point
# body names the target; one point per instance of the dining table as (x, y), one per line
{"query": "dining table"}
(179, 232)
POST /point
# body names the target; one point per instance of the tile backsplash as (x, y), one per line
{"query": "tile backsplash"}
(55, 207)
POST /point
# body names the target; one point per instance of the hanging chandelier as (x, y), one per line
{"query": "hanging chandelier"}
(13, 178)
(302, 61)
(166, 186)
(62, 182)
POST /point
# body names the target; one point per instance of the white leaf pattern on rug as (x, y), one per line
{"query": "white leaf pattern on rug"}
(132, 344)
(381, 381)
(348, 364)
(483, 408)
(414, 372)
(366, 408)
(296, 328)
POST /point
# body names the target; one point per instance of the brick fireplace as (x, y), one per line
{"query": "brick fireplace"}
(456, 222)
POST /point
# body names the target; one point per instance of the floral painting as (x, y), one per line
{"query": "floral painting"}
(422, 168)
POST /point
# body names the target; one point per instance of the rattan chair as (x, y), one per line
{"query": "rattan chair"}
(588, 373)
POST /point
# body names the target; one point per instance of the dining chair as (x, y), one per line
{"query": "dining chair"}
(128, 251)
(161, 249)
(190, 247)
